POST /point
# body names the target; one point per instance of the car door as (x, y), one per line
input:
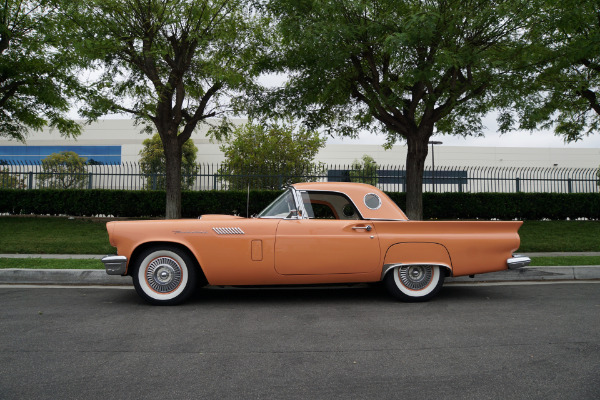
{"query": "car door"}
(326, 246)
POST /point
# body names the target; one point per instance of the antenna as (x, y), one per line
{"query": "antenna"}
(248, 202)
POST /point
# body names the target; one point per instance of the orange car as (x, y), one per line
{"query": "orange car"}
(312, 233)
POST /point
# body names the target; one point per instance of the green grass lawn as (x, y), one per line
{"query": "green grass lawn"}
(44, 263)
(540, 236)
(60, 235)
(53, 235)
(564, 261)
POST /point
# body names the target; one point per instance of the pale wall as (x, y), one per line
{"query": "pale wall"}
(127, 135)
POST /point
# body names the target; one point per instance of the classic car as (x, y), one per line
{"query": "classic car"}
(313, 233)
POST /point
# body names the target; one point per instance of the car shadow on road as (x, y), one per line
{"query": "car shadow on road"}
(291, 294)
(356, 293)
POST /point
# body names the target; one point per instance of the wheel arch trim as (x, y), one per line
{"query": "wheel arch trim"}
(388, 267)
(416, 253)
(143, 246)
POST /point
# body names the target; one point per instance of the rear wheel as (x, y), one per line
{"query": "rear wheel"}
(413, 283)
(165, 275)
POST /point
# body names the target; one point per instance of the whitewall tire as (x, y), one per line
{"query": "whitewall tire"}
(414, 283)
(164, 275)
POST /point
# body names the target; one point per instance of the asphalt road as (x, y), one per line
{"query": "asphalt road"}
(471, 342)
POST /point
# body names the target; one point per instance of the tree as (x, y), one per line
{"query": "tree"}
(170, 63)
(269, 157)
(36, 80)
(564, 91)
(10, 180)
(364, 171)
(153, 163)
(64, 170)
(404, 68)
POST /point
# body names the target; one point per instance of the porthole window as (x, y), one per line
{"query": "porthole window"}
(372, 201)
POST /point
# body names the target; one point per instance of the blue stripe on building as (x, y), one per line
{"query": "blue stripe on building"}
(29, 154)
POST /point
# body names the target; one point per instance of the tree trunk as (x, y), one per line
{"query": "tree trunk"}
(415, 164)
(173, 177)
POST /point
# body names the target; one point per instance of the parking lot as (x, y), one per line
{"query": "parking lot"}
(472, 341)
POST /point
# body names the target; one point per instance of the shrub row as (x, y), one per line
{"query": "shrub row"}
(507, 206)
(129, 203)
(139, 203)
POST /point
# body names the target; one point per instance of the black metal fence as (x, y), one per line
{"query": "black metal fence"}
(129, 176)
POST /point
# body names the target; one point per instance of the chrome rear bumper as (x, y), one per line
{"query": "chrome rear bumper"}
(518, 261)
(115, 265)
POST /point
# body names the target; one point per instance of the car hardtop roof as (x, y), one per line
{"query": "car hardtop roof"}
(357, 192)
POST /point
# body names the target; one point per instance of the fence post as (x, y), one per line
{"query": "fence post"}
(90, 180)
(30, 183)
(518, 184)
(570, 185)
(154, 181)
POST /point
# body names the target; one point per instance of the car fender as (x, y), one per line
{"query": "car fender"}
(416, 253)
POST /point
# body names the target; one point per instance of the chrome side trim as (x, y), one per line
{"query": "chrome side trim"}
(115, 265)
(518, 261)
(388, 267)
(384, 219)
(229, 231)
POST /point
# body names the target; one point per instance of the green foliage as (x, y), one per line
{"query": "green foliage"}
(9, 180)
(36, 76)
(64, 170)
(394, 63)
(560, 79)
(364, 171)
(171, 64)
(129, 203)
(153, 163)
(143, 203)
(400, 67)
(274, 155)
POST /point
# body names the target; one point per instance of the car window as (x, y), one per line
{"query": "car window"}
(283, 207)
(329, 205)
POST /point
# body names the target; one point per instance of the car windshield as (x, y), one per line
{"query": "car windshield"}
(283, 207)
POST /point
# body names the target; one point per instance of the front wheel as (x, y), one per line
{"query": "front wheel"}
(413, 283)
(164, 275)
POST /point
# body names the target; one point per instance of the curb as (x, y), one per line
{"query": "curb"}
(578, 272)
(99, 277)
(62, 277)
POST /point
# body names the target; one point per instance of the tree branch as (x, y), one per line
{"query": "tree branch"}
(590, 96)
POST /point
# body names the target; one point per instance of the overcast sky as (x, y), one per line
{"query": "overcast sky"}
(493, 139)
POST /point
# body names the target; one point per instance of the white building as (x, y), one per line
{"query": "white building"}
(119, 140)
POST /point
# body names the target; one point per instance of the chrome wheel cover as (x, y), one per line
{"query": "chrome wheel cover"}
(163, 274)
(415, 277)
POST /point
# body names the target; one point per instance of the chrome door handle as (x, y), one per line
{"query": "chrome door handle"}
(367, 228)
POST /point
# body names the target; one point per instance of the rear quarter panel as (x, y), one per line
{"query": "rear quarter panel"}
(473, 247)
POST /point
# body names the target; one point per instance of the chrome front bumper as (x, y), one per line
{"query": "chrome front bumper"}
(518, 261)
(115, 265)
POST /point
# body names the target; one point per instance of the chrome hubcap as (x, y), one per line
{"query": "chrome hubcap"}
(163, 274)
(416, 277)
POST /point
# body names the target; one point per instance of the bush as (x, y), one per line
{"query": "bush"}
(129, 203)
(142, 203)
